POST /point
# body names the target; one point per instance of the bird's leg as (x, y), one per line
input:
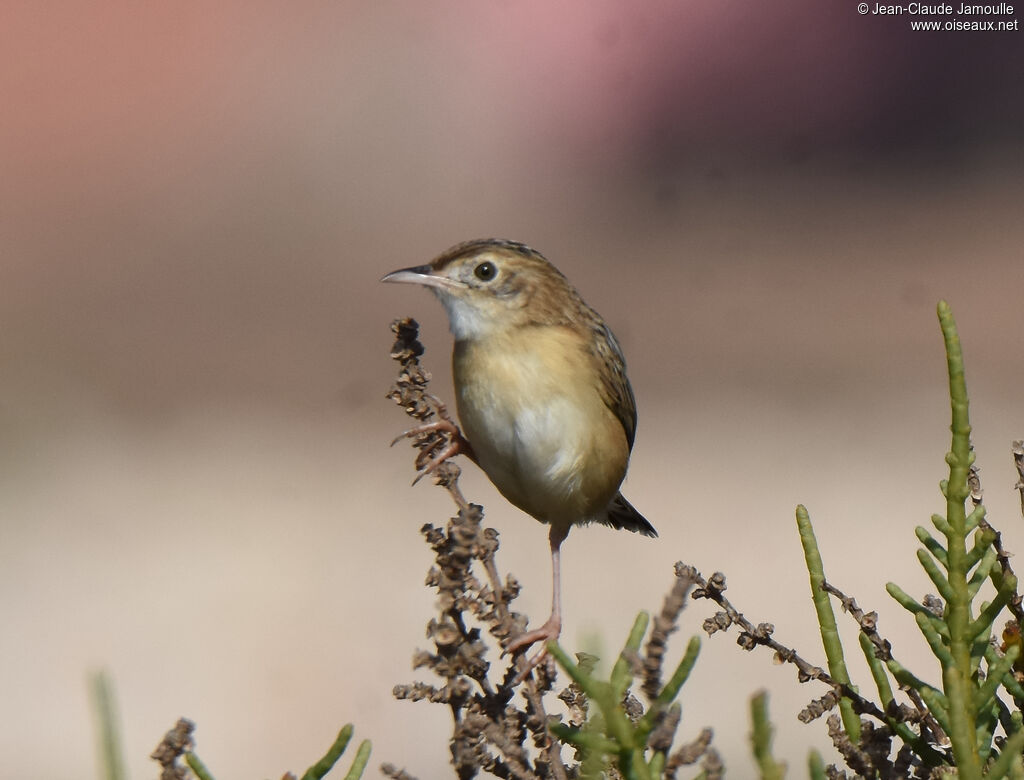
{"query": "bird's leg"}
(457, 443)
(553, 627)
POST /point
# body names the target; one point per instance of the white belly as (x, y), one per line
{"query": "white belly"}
(534, 455)
(543, 435)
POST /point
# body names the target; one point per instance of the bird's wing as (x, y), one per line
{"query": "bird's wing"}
(615, 387)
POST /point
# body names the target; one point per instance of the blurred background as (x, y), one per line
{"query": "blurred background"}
(197, 201)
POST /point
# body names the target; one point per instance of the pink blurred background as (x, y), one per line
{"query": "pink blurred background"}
(196, 202)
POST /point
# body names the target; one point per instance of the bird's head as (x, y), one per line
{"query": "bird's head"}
(489, 285)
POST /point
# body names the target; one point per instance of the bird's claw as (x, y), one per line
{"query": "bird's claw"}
(452, 449)
(443, 425)
(546, 633)
(456, 445)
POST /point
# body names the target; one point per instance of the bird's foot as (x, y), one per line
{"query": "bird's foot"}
(546, 633)
(429, 458)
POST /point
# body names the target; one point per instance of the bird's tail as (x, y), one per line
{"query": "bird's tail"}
(621, 514)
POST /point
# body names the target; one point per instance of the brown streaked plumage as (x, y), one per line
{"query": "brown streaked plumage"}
(542, 394)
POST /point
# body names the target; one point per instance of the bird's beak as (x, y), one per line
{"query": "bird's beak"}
(421, 274)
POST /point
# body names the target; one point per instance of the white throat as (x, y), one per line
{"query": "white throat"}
(466, 321)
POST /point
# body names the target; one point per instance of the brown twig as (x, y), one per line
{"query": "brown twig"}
(976, 495)
(175, 744)
(751, 636)
(666, 623)
(868, 622)
(1018, 460)
(410, 392)
(390, 770)
(484, 719)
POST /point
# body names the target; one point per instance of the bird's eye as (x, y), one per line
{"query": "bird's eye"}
(486, 271)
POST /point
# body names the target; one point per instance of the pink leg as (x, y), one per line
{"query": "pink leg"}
(457, 445)
(553, 627)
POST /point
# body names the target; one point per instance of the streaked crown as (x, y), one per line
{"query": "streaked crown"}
(491, 284)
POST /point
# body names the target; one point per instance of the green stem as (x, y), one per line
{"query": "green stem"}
(998, 669)
(932, 544)
(323, 766)
(682, 672)
(622, 675)
(935, 574)
(881, 678)
(816, 766)
(956, 675)
(934, 639)
(827, 621)
(982, 573)
(106, 717)
(761, 739)
(360, 761)
(588, 684)
(198, 767)
(911, 605)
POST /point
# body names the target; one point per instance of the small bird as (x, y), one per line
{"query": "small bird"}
(541, 392)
